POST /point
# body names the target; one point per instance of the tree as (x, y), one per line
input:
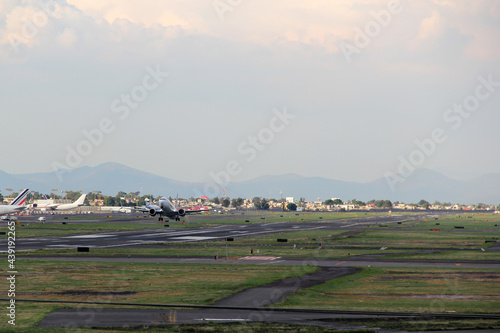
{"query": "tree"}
(256, 202)
(215, 201)
(338, 202)
(264, 204)
(424, 204)
(328, 202)
(383, 204)
(260, 203)
(237, 202)
(226, 202)
(357, 202)
(291, 206)
(141, 201)
(109, 201)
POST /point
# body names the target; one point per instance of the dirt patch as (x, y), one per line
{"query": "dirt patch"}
(277, 291)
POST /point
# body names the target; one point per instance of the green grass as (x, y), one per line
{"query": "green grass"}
(420, 239)
(470, 221)
(420, 290)
(253, 327)
(210, 251)
(24, 230)
(423, 324)
(450, 255)
(134, 283)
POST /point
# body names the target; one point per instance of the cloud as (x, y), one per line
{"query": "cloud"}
(231, 73)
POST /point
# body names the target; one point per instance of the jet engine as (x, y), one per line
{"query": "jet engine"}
(182, 212)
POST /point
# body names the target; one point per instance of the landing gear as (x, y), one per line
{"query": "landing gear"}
(177, 219)
(160, 219)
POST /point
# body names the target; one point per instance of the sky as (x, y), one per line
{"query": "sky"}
(230, 90)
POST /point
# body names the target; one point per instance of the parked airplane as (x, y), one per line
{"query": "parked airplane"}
(69, 206)
(166, 208)
(16, 205)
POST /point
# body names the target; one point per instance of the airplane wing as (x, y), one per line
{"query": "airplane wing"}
(196, 210)
(150, 209)
(142, 209)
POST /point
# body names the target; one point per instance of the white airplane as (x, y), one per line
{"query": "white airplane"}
(16, 205)
(166, 208)
(69, 206)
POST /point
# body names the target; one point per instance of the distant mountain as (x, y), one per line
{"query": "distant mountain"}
(110, 178)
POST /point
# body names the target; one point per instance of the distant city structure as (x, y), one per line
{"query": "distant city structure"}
(125, 202)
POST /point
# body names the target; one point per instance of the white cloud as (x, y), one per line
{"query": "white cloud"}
(263, 55)
(67, 38)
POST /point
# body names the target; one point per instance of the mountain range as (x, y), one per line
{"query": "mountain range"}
(110, 178)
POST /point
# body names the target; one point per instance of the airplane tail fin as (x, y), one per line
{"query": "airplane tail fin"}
(81, 199)
(21, 198)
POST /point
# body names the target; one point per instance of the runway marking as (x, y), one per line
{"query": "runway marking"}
(128, 244)
(195, 238)
(91, 236)
(259, 258)
(374, 222)
(72, 246)
(278, 230)
(221, 319)
(175, 233)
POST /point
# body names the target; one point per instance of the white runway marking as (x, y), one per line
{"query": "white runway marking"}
(72, 246)
(91, 236)
(175, 233)
(193, 238)
(373, 222)
(222, 319)
(259, 258)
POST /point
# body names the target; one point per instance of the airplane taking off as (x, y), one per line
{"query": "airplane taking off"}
(69, 206)
(166, 208)
(16, 205)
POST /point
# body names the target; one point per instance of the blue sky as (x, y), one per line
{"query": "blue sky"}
(187, 89)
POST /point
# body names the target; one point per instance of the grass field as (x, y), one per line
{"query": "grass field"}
(469, 221)
(373, 289)
(417, 290)
(134, 283)
(75, 228)
(254, 327)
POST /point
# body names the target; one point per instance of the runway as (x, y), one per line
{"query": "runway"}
(174, 235)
